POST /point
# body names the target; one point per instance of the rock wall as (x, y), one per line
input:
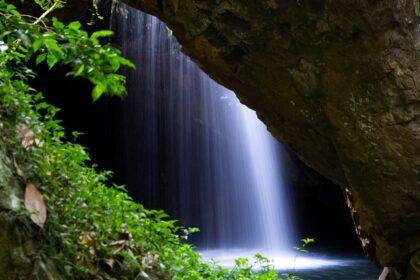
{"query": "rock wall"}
(337, 81)
(19, 241)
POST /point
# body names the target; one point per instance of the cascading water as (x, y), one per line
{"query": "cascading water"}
(194, 149)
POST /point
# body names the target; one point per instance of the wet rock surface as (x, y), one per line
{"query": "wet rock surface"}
(19, 242)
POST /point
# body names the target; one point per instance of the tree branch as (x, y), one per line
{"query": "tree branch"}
(46, 12)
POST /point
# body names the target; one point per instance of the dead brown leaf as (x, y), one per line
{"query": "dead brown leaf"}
(117, 246)
(26, 135)
(110, 263)
(34, 203)
(87, 239)
(149, 260)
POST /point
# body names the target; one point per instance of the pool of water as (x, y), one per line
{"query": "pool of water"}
(310, 266)
(355, 269)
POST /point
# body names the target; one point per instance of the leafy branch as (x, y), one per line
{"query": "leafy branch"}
(64, 44)
(299, 249)
(55, 5)
(50, 5)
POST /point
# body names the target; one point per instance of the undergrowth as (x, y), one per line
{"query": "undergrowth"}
(93, 230)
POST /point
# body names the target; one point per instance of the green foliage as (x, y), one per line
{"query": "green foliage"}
(261, 268)
(64, 44)
(299, 249)
(305, 242)
(48, 4)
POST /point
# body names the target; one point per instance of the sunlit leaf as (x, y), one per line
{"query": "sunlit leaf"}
(101, 33)
(37, 44)
(57, 24)
(51, 60)
(79, 70)
(75, 25)
(97, 91)
(40, 58)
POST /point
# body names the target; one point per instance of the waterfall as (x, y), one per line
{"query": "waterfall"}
(186, 144)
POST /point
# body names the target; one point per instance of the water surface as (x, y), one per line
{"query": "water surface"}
(309, 266)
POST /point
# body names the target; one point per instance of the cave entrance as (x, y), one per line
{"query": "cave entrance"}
(182, 143)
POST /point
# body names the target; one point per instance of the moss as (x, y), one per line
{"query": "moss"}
(12, 194)
(416, 4)
(17, 245)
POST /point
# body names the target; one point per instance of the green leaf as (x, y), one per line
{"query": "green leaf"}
(37, 44)
(97, 91)
(5, 34)
(307, 241)
(75, 25)
(42, 3)
(18, 54)
(101, 33)
(58, 25)
(79, 71)
(53, 47)
(40, 58)
(10, 8)
(51, 60)
(126, 62)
